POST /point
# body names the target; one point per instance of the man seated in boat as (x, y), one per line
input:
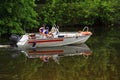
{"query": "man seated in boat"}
(55, 30)
(41, 29)
(47, 33)
(44, 31)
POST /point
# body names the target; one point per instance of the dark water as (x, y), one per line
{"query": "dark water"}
(98, 59)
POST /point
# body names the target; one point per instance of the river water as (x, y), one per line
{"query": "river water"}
(97, 59)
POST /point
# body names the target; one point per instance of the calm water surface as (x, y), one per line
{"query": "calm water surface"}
(98, 59)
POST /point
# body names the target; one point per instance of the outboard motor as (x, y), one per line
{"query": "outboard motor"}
(13, 40)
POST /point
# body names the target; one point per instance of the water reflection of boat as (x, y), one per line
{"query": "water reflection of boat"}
(56, 52)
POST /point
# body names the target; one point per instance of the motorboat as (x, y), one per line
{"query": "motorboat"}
(56, 52)
(31, 40)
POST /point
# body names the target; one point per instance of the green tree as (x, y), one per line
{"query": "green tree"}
(15, 15)
(82, 12)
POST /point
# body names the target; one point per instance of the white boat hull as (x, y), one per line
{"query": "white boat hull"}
(69, 38)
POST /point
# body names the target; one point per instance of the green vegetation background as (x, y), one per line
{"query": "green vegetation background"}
(19, 15)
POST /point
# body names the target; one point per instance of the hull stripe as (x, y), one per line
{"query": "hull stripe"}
(42, 41)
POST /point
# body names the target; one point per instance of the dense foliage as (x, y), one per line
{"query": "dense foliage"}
(17, 15)
(82, 12)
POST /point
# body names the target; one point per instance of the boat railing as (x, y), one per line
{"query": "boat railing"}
(85, 29)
